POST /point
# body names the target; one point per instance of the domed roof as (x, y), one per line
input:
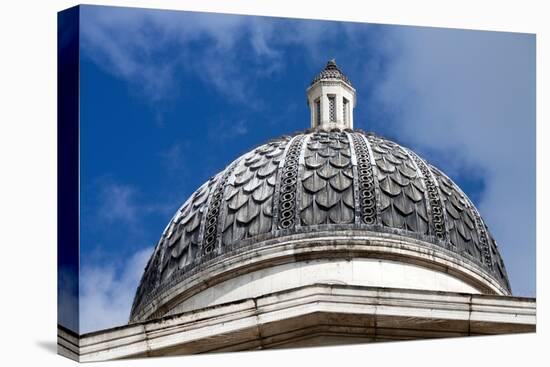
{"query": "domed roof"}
(313, 181)
(331, 71)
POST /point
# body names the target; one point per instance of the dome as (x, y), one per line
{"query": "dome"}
(331, 71)
(313, 184)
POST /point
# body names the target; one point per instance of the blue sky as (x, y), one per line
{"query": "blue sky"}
(169, 98)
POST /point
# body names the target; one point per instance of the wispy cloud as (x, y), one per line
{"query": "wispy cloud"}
(226, 130)
(107, 282)
(117, 203)
(132, 44)
(175, 158)
(471, 96)
(107, 291)
(120, 203)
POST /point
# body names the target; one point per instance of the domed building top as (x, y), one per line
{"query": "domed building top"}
(355, 192)
(331, 71)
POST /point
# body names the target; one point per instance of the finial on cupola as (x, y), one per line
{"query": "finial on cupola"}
(331, 99)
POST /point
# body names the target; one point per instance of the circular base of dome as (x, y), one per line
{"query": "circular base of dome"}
(457, 274)
(358, 271)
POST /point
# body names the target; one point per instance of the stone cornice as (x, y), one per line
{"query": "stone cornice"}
(330, 244)
(372, 313)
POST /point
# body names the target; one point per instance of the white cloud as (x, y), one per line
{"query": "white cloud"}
(120, 203)
(107, 291)
(175, 157)
(471, 96)
(130, 43)
(117, 203)
(226, 130)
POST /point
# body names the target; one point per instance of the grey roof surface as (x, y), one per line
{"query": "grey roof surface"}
(345, 179)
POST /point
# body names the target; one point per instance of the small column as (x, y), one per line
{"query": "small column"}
(324, 110)
(340, 108)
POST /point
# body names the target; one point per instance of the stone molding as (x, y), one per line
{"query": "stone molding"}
(337, 313)
(327, 244)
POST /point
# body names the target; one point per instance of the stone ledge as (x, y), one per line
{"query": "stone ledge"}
(338, 244)
(319, 313)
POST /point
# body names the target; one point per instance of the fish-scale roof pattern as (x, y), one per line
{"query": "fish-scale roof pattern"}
(312, 180)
